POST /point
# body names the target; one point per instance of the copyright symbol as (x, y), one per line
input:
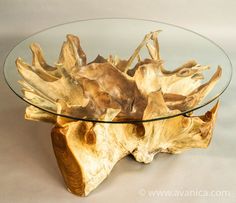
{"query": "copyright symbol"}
(142, 192)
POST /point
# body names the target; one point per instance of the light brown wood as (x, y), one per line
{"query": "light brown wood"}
(70, 168)
(115, 89)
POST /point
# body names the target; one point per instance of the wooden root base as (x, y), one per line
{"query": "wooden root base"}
(85, 161)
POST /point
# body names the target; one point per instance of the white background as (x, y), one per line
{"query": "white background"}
(28, 169)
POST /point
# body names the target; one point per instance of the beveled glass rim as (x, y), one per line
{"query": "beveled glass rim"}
(184, 113)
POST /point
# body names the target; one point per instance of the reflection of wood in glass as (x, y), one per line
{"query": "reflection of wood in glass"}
(114, 90)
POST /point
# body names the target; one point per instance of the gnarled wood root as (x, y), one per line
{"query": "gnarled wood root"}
(113, 90)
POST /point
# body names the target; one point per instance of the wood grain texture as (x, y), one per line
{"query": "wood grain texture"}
(67, 163)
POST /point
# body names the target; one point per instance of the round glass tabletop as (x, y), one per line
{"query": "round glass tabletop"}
(117, 70)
